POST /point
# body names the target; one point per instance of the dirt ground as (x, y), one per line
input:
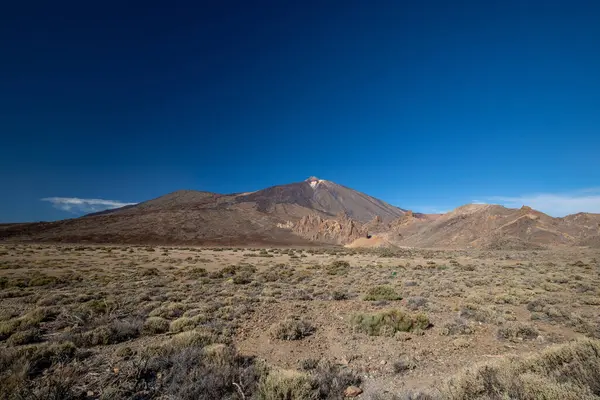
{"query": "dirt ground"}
(480, 306)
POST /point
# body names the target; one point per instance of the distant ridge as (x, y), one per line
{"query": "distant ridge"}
(311, 212)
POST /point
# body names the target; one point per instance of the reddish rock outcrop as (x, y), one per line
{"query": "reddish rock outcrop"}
(340, 230)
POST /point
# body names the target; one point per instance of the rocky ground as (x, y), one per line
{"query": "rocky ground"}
(116, 321)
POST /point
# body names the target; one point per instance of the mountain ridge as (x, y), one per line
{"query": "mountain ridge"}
(311, 212)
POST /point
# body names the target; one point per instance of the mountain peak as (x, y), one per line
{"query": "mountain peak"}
(314, 181)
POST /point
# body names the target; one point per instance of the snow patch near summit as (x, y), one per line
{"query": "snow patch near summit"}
(314, 181)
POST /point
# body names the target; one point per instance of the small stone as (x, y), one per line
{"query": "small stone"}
(90, 393)
(352, 391)
(540, 339)
(460, 343)
(402, 336)
(382, 362)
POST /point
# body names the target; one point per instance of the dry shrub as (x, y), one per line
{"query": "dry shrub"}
(156, 325)
(182, 324)
(61, 384)
(187, 373)
(18, 366)
(25, 337)
(242, 278)
(198, 375)
(457, 327)
(152, 271)
(117, 331)
(293, 329)
(479, 314)
(197, 272)
(566, 372)
(170, 310)
(27, 322)
(278, 272)
(286, 384)
(193, 338)
(517, 332)
(338, 267)
(8, 328)
(330, 380)
(245, 270)
(404, 364)
(339, 295)
(415, 303)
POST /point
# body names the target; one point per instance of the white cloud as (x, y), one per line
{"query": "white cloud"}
(77, 206)
(556, 205)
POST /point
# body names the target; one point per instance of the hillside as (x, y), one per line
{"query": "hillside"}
(312, 212)
(497, 227)
(192, 217)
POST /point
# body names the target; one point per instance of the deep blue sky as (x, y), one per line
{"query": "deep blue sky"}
(425, 104)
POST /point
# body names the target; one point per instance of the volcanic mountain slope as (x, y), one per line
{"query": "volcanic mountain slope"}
(323, 196)
(268, 216)
(197, 219)
(496, 227)
(312, 212)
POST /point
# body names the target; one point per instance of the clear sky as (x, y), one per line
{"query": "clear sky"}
(425, 104)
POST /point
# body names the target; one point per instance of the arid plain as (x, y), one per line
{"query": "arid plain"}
(157, 322)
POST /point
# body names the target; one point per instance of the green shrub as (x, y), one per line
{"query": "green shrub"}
(41, 314)
(25, 337)
(182, 324)
(338, 267)
(7, 328)
(29, 321)
(193, 338)
(387, 323)
(378, 293)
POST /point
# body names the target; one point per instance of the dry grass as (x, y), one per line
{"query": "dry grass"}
(570, 371)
